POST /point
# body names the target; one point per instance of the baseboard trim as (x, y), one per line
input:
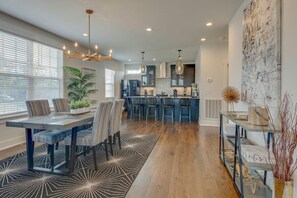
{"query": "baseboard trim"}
(214, 123)
(12, 142)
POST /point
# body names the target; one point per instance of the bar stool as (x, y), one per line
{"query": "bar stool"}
(151, 103)
(167, 104)
(135, 104)
(185, 103)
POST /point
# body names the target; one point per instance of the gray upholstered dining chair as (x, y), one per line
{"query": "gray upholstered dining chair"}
(115, 122)
(97, 135)
(61, 104)
(49, 137)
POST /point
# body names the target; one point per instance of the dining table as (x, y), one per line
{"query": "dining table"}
(54, 121)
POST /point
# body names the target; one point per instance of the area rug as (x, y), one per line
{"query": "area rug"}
(113, 178)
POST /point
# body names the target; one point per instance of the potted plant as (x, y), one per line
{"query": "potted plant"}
(80, 106)
(283, 144)
(80, 88)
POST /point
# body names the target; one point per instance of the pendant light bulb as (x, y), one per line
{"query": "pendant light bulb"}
(179, 67)
(142, 65)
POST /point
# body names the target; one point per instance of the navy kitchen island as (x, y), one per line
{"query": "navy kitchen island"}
(193, 105)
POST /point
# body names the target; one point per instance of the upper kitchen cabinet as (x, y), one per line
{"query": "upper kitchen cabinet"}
(148, 80)
(184, 80)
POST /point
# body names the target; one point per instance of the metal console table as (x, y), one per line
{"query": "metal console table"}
(245, 128)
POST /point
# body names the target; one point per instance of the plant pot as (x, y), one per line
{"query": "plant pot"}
(80, 110)
(283, 189)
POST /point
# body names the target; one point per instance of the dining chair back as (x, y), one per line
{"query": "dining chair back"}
(61, 104)
(100, 123)
(38, 108)
(115, 122)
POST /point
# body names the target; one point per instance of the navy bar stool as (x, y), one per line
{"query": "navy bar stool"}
(167, 104)
(185, 103)
(136, 107)
(151, 103)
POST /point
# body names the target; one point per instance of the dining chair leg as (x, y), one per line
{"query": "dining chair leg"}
(85, 150)
(48, 149)
(110, 144)
(52, 156)
(106, 151)
(95, 158)
(114, 139)
(119, 138)
(67, 150)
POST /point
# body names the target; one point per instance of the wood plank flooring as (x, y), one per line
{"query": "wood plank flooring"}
(183, 164)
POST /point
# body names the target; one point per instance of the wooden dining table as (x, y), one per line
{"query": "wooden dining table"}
(54, 121)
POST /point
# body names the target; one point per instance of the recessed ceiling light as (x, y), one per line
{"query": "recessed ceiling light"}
(203, 39)
(149, 29)
(154, 59)
(209, 24)
(129, 60)
(85, 34)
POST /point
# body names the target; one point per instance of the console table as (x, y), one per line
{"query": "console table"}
(236, 142)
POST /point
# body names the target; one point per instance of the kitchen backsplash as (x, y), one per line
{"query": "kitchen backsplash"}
(163, 85)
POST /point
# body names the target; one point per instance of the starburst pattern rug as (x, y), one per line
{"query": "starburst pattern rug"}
(112, 179)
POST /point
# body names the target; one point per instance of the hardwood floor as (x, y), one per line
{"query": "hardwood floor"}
(183, 164)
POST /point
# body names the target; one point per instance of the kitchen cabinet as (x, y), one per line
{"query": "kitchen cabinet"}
(148, 80)
(184, 80)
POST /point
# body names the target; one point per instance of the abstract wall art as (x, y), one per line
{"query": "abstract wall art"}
(261, 47)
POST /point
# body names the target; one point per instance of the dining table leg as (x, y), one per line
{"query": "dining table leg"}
(30, 149)
(72, 150)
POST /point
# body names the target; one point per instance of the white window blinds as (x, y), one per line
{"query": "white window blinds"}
(28, 71)
(109, 83)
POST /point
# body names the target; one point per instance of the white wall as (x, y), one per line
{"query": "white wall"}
(212, 71)
(13, 136)
(289, 58)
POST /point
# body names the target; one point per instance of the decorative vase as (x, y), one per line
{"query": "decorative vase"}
(283, 189)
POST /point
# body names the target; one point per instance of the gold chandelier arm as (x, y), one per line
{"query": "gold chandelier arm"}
(71, 55)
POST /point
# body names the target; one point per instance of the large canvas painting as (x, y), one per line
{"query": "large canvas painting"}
(261, 72)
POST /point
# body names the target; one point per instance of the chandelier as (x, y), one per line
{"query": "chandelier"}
(179, 67)
(142, 65)
(89, 55)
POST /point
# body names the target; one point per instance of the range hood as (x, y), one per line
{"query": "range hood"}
(163, 71)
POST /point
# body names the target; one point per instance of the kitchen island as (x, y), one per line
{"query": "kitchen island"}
(193, 103)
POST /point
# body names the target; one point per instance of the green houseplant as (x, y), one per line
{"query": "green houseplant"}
(79, 87)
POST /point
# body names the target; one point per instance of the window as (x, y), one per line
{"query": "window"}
(109, 83)
(133, 71)
(28, 71)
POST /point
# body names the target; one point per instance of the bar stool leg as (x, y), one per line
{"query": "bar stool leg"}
(163, 114)
(147, 112)
(172, 113)
(155, 113)
(190, 119)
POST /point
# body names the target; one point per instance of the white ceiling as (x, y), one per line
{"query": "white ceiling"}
(120, 24)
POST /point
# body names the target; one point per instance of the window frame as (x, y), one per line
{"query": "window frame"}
(112, 84)
(30, 75)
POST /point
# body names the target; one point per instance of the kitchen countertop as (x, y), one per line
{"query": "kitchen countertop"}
(174, 97)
